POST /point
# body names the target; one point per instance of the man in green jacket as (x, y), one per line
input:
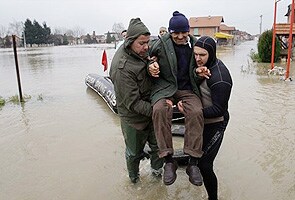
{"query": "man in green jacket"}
(175, 80)
(132, 87)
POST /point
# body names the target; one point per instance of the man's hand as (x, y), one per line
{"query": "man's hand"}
(180, 107)
(154, 69)
(203, 71)
(169, 102)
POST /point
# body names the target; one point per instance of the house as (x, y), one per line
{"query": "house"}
(227, 29)
(205, 25)
(101, 39)
(282, 31)
(72, 40)
(212, 26)
(7, 42)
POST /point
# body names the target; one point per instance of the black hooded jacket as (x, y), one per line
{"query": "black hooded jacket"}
(217, 89)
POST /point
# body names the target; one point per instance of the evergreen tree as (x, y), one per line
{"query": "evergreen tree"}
(109, 38)
(88, 39)
(29, 32)
(35, 33)
(265, 47)
(113, 38)
(47, 32)
(39, 33)
(65, 40)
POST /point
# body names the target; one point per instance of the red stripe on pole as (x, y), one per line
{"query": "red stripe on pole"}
(290, 40)
(273, 37)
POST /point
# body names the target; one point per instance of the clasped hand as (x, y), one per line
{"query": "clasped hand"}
(203, 71)
(154, 69)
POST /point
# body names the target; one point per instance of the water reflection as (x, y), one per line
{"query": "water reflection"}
(39, 61)
(277, 129)
(102, 105)
(25, 119)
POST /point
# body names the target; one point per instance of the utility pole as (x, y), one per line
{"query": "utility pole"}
(25, 42)
(260, 26)
(24, 36)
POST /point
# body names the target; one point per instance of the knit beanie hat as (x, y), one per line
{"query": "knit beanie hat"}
(208, 43)
(178, 23)
(135, 29)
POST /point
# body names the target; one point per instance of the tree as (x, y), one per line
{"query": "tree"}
(29, 32)
(7, 42)
(113, 38)
(59, 30)
(265, 47)
(3, 31)
(35, 33)
(69, 32)
(47, 33)
(39, 33)
(118, 28)
(109, 38)
(78, 31)
(15, 28)
(88, 39)
(65, 40)
(55, 39)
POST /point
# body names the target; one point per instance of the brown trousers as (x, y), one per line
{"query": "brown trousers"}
(194, 123)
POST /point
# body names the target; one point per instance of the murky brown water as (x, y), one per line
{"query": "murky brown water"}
(64, 142)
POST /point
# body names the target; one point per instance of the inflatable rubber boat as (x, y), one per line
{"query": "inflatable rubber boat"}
(104, 87)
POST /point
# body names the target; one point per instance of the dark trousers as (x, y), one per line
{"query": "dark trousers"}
(194, 123)
(135, 140)
(212, 137)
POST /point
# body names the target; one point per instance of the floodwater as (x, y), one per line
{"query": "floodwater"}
(65, 143)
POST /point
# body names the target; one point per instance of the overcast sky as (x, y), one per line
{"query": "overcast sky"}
(100, 15)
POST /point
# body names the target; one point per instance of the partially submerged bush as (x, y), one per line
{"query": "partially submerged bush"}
(254, 56)
(265, 47)
(2, 101)
(13, 99)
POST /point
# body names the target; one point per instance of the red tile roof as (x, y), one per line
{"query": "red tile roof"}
(224, 27)
(209, 21)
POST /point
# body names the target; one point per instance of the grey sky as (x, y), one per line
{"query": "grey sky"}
(100, 15)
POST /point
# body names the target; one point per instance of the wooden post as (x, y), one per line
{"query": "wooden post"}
(17, 70)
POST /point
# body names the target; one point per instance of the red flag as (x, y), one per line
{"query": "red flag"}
(104, 60)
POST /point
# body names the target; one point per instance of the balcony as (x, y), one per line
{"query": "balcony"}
(284, 28)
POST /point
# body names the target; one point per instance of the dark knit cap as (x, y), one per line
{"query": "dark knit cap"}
(178, 23)
(135, 29)
(209, 44)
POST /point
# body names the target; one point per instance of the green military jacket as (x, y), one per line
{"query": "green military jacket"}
(132, 87)
(166, 84)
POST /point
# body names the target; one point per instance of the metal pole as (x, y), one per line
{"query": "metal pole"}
(24, 36)
(290, 40)
(273, 37)
(25, 42)
(17, 70)
(260, 24)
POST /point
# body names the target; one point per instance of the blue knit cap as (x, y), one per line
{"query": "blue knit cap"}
(178, 23)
